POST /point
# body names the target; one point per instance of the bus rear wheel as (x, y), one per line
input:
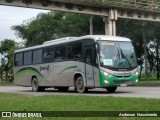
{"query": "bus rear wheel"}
(80, 85)
(111, 89)
(35, 87)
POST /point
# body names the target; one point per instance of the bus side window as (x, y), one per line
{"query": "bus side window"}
(48, 54)
(75, 50)
(60, 52)
(18, 59)
(27, 60)
(89, 56)
(37, 56)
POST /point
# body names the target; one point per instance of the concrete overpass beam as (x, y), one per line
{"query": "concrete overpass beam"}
(110, 23)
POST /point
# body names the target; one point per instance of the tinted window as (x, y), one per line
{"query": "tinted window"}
(89, 56)
(37, 56)
(27, 58)
(48, 54)
(60, 52)
(18, 59)
(74, 50)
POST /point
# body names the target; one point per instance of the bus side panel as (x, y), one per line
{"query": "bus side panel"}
(22, 76)
(63, 73)
(47, 71)
(96, 77)
(81, 70)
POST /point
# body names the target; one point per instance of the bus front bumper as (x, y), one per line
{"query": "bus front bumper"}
(109, 81)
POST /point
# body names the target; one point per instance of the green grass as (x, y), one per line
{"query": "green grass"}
(18, 102)
(6, 83)
(149, 80)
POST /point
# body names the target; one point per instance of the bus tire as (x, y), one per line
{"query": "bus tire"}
(111, 89)
(80, 85)
(35, 87)
(62, 89)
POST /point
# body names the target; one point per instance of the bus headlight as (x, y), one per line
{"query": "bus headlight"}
(136, 80)
(137, 73)
(105, 73)
(106, 81)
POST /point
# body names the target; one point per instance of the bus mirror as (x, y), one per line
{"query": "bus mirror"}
(98, 48)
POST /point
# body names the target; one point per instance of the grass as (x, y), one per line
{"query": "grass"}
(149, 80)
(18, 102)
(13, 102)
(6, 83)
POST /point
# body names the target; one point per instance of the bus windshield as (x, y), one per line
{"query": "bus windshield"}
(115, 54)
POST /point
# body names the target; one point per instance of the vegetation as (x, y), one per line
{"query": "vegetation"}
(6, 50)
(17, 102)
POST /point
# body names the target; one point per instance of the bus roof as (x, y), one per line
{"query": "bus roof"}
(70, 39)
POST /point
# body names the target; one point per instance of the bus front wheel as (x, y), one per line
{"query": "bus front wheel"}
(80, 85)
(35, 87)
(111, 89)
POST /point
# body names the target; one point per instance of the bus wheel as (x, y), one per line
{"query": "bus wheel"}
(35, 87)
(80, 85)
(63, 89)
(111, 89)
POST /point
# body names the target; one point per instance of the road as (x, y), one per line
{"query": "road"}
(143, 92)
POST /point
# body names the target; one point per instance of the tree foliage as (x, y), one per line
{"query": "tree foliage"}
(7, 49)
(51, 25)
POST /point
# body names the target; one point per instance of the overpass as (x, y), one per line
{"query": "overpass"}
(148, 10)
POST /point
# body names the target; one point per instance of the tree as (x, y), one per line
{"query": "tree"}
(52, 25)
(7, 49)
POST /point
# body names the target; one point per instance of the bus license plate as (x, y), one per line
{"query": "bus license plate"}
(123, 85)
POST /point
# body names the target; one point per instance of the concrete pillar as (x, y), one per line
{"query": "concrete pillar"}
(105, 20)
(91, 25)
(114, 28)
(110, 23)
(110, 28)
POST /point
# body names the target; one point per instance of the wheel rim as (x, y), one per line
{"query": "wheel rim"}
(80, 85)
(34, 85)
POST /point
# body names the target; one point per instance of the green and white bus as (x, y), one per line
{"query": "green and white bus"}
(92, 61)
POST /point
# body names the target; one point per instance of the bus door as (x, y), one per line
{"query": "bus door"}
(89, 60)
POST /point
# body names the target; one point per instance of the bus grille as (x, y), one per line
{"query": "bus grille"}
(118, 82)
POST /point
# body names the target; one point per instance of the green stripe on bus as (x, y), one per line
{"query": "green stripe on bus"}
(71, 67)
(29, 70)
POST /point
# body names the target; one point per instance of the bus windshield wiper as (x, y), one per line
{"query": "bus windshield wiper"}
(125, 58)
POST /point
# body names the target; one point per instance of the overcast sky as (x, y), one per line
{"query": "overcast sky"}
(10, 16)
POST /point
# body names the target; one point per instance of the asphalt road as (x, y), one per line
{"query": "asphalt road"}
(143, 92)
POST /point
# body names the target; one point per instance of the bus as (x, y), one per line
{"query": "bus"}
(86, 62)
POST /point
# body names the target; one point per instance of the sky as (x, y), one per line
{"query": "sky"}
(10, 16)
